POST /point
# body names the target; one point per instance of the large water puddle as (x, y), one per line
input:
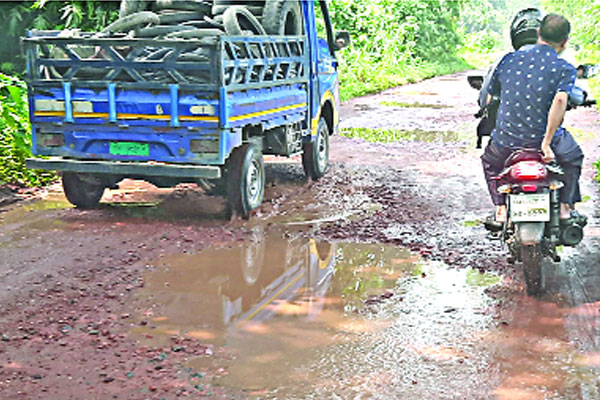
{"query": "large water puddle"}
(302, 319)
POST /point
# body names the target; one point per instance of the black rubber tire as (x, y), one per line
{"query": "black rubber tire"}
(531, 257)
(129, 7)
(132, 21)
(81, 192)
(196, 33)
(199, 25)
(213, 23)
(238, 20)
(177, 17)
(315, 155)
(255, 6)
(161, 30)
(245, 180)
(184, 5)
(283, 17)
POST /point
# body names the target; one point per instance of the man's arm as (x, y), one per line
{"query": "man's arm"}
(555, 118)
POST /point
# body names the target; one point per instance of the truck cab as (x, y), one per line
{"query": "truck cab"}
(109, 106)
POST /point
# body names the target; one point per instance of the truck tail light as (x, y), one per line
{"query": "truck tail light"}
(50, 140)
(210, 145)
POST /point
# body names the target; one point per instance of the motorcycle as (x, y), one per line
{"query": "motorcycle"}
(533, 229)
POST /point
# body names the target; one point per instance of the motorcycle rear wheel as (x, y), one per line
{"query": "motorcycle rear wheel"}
(532, 268)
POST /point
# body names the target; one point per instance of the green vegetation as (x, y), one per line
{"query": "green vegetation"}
(15, 135)
(477, 278)
(394, 135)
(17, 17)
(395, 42)
(484, 29)
(413, 105)
(584, 17)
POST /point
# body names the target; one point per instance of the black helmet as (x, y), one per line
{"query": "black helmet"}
(524, 27)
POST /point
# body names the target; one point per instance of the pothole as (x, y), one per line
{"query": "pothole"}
(298, 318)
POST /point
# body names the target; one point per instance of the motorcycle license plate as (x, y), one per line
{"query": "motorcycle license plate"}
(530, 207)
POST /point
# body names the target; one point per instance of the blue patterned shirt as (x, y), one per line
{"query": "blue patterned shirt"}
(527, 81)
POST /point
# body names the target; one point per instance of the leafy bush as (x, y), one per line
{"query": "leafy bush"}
(15, 135)
(16, 17)
(395, 42)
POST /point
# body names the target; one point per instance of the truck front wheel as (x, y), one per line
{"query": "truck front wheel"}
(83, 191)
(246, 180)
(315, 156)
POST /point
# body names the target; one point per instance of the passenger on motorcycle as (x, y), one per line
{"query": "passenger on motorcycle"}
(533, 85)
(523, 35)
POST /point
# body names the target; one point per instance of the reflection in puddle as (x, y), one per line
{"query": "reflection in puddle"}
(26, 215)
(312, 320)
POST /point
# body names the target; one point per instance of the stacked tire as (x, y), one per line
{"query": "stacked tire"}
(176, 18)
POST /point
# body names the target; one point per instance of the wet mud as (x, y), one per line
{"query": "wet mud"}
(296, 314)
(375, 282)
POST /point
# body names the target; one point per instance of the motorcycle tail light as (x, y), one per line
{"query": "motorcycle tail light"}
(529, 171)
(529, 188)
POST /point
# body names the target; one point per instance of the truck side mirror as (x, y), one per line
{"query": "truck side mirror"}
(342, 39)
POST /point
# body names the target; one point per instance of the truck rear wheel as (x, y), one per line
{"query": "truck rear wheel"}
(315, 156)
(83, 191)
(246, 180)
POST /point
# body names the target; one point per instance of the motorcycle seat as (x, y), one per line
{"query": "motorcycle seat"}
(524, 155)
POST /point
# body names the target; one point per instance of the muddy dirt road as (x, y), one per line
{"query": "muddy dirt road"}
(376, 282)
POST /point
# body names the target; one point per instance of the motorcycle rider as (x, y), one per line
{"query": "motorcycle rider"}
(523, 35)
(533, 85)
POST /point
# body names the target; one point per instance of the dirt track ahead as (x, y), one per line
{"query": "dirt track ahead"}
(375, 282)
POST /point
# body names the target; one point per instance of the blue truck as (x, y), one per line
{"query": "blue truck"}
(177, 110)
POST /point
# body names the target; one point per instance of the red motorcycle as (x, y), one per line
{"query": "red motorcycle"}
(533, 229)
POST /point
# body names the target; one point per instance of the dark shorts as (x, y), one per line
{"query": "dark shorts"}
(568, 155)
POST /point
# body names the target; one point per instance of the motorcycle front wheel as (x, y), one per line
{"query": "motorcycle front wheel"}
(532, 268)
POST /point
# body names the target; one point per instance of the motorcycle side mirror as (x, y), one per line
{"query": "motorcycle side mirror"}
(476, 81)
(585, 71)
(342, 39)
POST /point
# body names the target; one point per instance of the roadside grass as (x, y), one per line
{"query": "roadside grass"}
(15, 136)
(479, 59)
(595, 91)
(399, 135)
(359, 76)
(413, 105)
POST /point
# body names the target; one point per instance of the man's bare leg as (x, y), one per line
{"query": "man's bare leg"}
(501, 213)
(565, 211)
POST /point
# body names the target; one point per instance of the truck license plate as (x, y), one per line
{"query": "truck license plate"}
(530, 207)
(129, 149)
